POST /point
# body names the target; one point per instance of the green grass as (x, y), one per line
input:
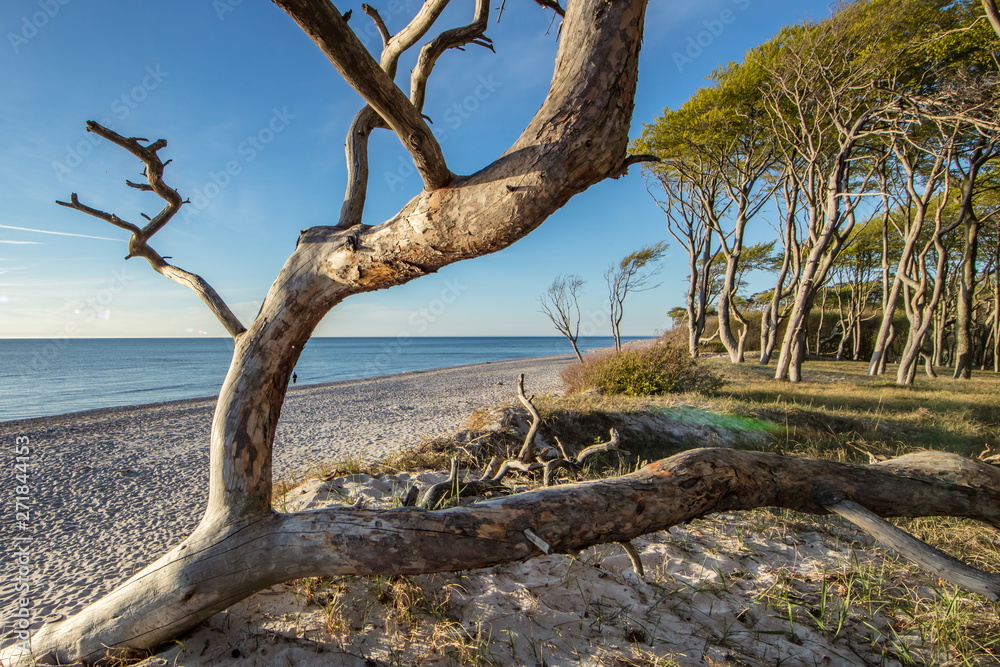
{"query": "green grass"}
(896, 611)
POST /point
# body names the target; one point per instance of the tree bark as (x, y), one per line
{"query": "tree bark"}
(577, 138)
(967, 287)
(215, 568)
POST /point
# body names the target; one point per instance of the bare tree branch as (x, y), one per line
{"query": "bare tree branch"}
(356, 148)
(553, 5)
(367, 120)
(323, 23)
(635, 159)
(449, 39)
(403, 40)
(74, 203)
(379, 23)
(154, 173)
(527, 452)
(947, 567)
(138, 245)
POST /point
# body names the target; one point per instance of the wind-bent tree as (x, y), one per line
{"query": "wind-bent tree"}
(561, 304)
(854, 284)
(788, 271)
(686, 223)
(715, 151)
(822, 112)
(632, 274)
(922, 171)
(576, 139)
(965, 342)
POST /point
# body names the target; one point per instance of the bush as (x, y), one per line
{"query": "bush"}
(658, 369)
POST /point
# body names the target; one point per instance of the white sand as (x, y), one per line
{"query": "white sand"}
(699, 603)
(112, 489)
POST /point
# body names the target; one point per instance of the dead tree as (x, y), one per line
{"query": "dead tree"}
(576, 139)
(561, 304)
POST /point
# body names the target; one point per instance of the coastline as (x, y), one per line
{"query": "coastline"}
(92, 374)
(200, 401)
(112, 488)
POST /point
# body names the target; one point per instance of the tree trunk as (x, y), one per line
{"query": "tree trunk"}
(726, 328)
(966, 293)
(767, 338)
(577, 138)
(219, 565)
(996, 312)
(921, 313)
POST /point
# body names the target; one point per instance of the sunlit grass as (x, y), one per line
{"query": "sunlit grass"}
(879, 603)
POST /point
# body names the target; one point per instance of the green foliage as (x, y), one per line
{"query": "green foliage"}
(659, 369)
(634, 262)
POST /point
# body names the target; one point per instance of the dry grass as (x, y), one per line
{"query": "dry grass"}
(873, 604)
(641, 371)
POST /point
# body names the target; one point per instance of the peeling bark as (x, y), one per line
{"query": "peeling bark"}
(212, 570)
(577, 138)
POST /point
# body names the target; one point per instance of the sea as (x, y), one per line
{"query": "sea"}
(45, 377)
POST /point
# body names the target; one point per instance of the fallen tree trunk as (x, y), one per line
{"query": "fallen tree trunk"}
(218, 566)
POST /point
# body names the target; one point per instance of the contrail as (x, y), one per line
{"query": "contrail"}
(45, 231)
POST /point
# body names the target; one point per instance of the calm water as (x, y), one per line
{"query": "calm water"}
(41, 377)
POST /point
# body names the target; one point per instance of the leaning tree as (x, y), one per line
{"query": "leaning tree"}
(576, 139)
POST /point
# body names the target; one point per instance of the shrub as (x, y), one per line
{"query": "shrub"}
(658, 369)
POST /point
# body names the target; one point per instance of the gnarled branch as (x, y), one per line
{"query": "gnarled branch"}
(217, 570)
(329, 31)
(383, 31)
(138, 245)
(367, 119)
(527, 452)
(449, 39)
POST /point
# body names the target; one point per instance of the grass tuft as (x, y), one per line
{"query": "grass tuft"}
(646, 371)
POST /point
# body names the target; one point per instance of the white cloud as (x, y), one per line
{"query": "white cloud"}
(46, 231)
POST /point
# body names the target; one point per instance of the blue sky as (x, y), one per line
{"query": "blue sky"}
(256, 117)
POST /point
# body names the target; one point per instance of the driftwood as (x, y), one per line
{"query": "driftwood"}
(924, 555)
(210, 572)
(527, 452)
(577, 138)
(491, 480)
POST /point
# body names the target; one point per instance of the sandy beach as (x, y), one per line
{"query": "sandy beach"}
(112, 489)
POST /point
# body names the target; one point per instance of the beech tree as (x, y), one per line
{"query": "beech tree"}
(575, 140)
(719, 150)
(686, 224)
